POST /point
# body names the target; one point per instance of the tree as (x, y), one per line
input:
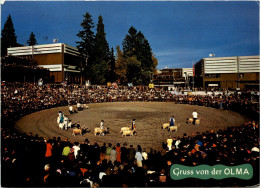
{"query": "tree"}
(133, 70)
(136, 45)
(111, 67)
(86, 45)
(129, 43)
(9, 38)
(101, 55)
(101, 45)
(155, 63)
(121, 66)
(32, 40)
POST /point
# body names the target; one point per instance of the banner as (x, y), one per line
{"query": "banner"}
(244, 171)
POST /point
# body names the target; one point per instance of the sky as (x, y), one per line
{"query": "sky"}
(179, 32)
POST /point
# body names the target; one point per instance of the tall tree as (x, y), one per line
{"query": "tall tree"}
(101, 55)
(111, 67)
(136, 45)
(86, 44)
(9, 38)
(121, 66)
(32, 40)
(129, 43)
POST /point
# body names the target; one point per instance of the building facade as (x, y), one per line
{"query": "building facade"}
(240, 72)
(177, 77)
(63, 61)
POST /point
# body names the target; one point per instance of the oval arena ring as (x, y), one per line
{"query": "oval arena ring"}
(149, 119)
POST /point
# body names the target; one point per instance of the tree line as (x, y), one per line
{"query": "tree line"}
(134, 64)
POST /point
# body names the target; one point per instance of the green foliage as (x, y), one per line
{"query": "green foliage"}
(101, 46)
(121, 67)
(98, 72)
(137, 46)
(135, 64)
(9, 38)
(86, 44)
(133, 70)
(111, 67)
(101, 55)
(32, 40)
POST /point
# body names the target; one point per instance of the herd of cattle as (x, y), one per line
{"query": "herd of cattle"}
(67, 124)
(125, 131)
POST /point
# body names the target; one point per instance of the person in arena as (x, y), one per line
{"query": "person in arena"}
(133, 124)
(78, 125)
(71, 109)
(79, 106)
(102, 124)
(172, 121)
(194, 116)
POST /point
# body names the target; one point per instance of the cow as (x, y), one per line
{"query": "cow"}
(197, 121)
(128, 132)
(80, 131)
(125, 129)
(174, 128)
(189, 120)
(100, 131)
(77, 131)
(165, 125)
(69, 124)
(61, 125)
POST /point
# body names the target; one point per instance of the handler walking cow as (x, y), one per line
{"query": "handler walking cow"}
(195, 116)
(172, 121)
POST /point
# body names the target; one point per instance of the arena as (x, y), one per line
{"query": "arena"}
(149, 119)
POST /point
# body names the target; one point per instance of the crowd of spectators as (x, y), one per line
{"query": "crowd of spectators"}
(23, 98)
(30, 160)
(18, 69)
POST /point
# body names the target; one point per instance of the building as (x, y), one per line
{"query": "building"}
(62, 60)
(240, 72)
(168, 78)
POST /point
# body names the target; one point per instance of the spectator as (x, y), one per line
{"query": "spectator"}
(113, 155)
(124, 153)
(138, 156)
(76, 149)
(131, 155)
(66, 150)
(118, 153)
(48, 153)
(169, 143)
(108, 151)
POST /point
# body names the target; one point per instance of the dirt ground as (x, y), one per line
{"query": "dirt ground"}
(149, 118)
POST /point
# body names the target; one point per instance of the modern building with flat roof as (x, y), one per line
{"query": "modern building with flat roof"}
(168, 78)
(61, 59)
(239, 72)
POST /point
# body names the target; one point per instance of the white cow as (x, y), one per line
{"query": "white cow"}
(100, 131)
(174, 128)
(165, 125)
(128, 132)
(125, 129)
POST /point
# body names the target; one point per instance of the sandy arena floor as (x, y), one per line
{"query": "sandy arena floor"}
(149, 118)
